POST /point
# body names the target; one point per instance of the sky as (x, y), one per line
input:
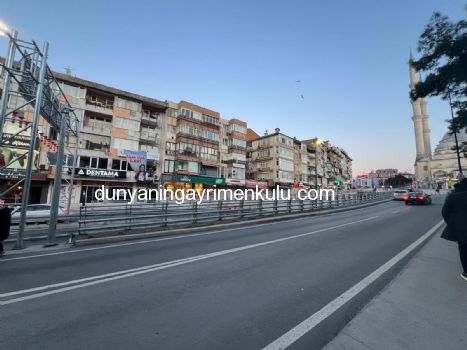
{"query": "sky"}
(243, 59)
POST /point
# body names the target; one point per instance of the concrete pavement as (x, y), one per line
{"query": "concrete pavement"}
(238, 288)
(425, 307)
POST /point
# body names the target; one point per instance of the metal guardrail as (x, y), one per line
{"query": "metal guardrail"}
(101, 219)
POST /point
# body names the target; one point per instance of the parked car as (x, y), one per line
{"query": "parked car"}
(38, 213)
(417, 198)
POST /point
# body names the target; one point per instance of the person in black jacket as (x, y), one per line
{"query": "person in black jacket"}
(455, 215)
(5, 222)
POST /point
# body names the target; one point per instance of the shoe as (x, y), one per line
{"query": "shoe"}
(464, 276)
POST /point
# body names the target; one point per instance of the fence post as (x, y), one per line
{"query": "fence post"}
(80, 218)
(195, 212)
(260, 207)
(289, 205)
(275, 206)
(242, 203)
(165, 211)
(131, 205)
(219, 210)
(301, 205)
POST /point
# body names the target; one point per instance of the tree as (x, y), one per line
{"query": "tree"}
(443, 46)
(397, 181)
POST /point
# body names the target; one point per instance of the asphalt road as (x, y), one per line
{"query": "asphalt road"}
(239, 288)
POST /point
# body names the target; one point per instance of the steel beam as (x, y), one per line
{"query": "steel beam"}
(32, 147)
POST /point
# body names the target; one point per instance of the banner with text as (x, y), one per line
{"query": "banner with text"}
(136, 159)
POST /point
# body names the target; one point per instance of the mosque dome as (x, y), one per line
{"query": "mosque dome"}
(444, 161)
(444, 149)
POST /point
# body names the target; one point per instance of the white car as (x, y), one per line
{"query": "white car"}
(37, 213)
(399, 194)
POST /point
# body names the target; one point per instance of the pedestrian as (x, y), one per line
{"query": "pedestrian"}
(455, 215)
(5, 222)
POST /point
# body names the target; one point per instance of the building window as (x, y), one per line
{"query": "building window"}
(170, 148)
(118, 164)
(93, 162)
(169, 166)
(183, 165)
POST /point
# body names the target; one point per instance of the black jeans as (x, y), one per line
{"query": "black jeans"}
(463, 255)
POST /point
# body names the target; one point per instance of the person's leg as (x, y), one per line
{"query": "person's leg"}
(463, 255)
(1, 248)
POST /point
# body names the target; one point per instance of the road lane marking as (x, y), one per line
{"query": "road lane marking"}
(395, 211)
(311, 322)
(62, 284)
(178, 236)
(94, 280)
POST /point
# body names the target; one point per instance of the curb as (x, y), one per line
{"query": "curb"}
(197, 229)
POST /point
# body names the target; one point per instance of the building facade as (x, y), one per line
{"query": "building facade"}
(202, 150)
(112, 122)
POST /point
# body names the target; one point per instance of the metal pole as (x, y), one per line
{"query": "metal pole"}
(51, 237)
(72, 176)
(316, 166)
(32, 147)
(455, 136)
(6, 82)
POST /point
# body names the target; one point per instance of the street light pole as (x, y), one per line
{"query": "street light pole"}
(455, 136)
(316, 166)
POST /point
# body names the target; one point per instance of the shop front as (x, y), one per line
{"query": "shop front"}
(235, 183)
(88, 181)
(253, 183)
(187, 182)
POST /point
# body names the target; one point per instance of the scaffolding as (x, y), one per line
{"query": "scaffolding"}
(30, 83)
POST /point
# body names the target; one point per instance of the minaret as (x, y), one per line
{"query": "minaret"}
(426, 128)
(418, 117)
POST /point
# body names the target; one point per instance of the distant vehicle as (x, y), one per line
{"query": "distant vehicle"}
(38, 213)
(417, 198)
(399, 194)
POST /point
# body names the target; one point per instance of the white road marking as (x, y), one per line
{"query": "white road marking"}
(395, 211)
(116, 245)
(311, 322)
(94, 280)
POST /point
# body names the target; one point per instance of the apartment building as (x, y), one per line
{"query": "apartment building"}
(317, 161)
(301, 160)
(271, 159)
(202, 150)
(233, 147)
(112, 121)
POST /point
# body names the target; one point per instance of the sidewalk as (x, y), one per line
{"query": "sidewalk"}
(424, 307)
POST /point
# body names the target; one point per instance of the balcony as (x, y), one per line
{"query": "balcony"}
(103, 129)
(236, 147)
(99, 104)
(234, 161)
(152, 138)
(198, 121)
(196, 137)
(151, 120)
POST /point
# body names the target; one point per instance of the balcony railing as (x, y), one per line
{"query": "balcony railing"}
(147, 120)
(98, 128)
(99, 107)
(181, 116)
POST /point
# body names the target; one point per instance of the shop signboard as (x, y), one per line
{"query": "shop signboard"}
(252, 184)
(98, 173)
(201, 179)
